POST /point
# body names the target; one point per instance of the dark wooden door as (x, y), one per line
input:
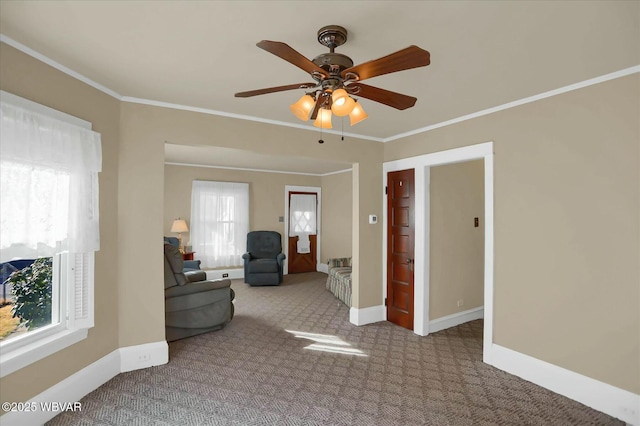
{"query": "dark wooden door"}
(400, 247)
(302, 262)
(299, 262)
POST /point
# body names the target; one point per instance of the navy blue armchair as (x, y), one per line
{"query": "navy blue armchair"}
(264, 260)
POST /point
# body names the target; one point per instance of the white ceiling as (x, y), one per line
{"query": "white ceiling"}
(198, 54)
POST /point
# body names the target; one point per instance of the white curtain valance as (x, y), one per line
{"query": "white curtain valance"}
(48, 185)
(36, 139)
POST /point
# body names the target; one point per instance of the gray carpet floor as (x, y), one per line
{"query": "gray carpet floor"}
(291, 357)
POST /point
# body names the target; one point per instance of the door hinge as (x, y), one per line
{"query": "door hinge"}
(385, 301)
(385, 190)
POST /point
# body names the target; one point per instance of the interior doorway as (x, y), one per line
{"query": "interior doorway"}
(303, 211)
(302, 262)
(421, 165)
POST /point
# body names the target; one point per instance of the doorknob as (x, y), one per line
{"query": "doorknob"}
(410, 263)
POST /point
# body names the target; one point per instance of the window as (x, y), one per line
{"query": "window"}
(219, 222)
(49, 164)
(302, 212)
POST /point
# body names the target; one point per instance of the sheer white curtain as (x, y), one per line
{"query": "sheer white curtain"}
(219, 222)
(48, 185)
(302, 214)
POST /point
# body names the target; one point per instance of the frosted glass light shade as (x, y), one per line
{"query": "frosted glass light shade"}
(303, 107)
(342, 103)
(357, 114)
(323, 120)
(179, 225)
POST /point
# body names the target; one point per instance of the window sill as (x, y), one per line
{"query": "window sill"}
(42, 348)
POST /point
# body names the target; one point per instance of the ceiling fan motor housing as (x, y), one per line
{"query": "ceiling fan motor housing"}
(334, 63)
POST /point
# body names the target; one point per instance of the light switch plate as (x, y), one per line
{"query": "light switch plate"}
(373, 219)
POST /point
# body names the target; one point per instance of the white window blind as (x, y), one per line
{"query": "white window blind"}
(81, 300)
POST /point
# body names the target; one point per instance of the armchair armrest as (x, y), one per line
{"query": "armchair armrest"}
(192, 264)
(280, 258)
(246, 256)
(196, 287)
(195, 276)
(339, 261)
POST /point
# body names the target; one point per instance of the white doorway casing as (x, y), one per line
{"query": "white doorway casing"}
(311, 189)
(421, 164)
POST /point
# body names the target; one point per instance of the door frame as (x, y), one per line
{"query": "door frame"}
(422, 164)
(313, 189)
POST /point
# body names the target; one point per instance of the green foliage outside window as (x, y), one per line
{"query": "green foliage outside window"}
(32, 287)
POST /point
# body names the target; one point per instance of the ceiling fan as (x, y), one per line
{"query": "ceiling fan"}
(336, 79)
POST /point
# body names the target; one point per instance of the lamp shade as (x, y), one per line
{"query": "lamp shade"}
(323, 120)
(357, 114)
(179, 225)
(303, 107)
(342, 103)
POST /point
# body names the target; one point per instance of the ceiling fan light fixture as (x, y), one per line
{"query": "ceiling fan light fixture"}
(303, 107)
(323, 120)
(357, 114)
(342, 103)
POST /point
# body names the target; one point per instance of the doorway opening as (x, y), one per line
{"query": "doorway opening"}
(302, 228)
(421, 265)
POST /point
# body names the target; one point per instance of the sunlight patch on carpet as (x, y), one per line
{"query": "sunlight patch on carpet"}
(327, 343)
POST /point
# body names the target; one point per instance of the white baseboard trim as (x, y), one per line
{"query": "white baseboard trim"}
(75, 387)
(143, 356)
(456, 319)
(609, 399)
(216, 274)
(322, 267)
(71, 389)
(367, 315)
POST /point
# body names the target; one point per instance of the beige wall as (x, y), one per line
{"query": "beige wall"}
(337, 195)
(26, 77)
(456, 265)
(566, 189)
(144, 130)
(266, 194)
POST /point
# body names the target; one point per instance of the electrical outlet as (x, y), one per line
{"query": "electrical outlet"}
(460, 302)
(144, 357)
(225, 275)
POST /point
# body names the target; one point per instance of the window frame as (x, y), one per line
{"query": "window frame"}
(74, 276)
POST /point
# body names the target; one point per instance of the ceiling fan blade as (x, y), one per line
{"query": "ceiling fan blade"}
(387, 97)
(316, 108)
(290, 55)
(408, 58)
(250, 93)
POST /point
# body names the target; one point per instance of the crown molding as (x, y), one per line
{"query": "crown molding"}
(245, 169)
(617, 74)
(242, 117)
(21, 47)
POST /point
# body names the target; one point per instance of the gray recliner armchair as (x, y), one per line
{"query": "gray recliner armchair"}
(193, 305)
(189, 265)
(264, 260)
